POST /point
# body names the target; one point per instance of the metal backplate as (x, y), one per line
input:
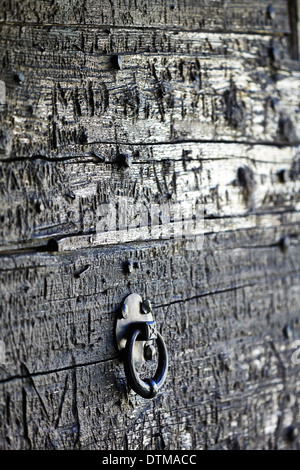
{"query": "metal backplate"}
(130, 313)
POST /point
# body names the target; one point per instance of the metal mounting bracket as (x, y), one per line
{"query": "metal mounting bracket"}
(137, 339)
(133, 311)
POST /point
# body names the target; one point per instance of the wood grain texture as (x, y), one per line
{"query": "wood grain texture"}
(226, 348)
(62, 83)
(202, 97)
(192, 15)
(62, 200)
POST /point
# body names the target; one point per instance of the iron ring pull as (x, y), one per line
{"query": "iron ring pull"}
(146, 388)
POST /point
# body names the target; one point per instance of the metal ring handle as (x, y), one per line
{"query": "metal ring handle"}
(146, 388)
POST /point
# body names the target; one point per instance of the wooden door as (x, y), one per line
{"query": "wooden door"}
(151, 104)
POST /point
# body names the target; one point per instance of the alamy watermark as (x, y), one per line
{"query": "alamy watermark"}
(123, 220)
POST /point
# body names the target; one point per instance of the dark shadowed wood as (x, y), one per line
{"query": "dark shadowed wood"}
(153, 102)
(294, 13)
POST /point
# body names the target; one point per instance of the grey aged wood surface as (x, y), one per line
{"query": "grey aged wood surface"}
(203, 97)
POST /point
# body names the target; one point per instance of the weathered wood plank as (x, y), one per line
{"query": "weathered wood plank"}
(68, 95)
(54, 311)
(192, 15)
(65, 199)
(224, 396)
(131, 423)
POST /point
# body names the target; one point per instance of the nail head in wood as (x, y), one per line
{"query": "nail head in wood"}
(146, 307)
(285, 243)
(19, 78)
(283, 176)
(271, 13)
(124, 161)
(129, 266)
